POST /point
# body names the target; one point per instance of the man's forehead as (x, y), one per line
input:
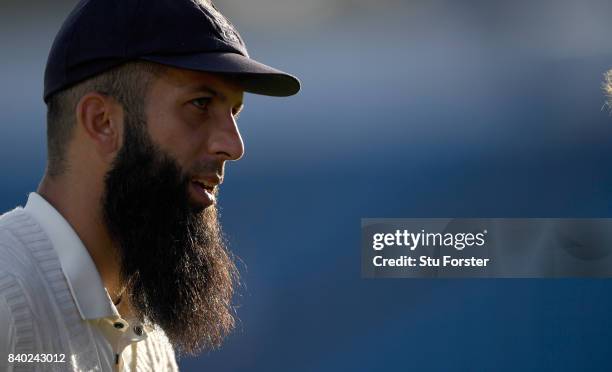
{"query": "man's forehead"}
(188, 81)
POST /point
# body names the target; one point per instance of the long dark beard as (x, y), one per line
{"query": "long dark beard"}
(174, 261)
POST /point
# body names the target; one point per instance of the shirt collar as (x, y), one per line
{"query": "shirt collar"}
(91, 298)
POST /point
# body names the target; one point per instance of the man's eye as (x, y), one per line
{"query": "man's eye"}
(201, 102)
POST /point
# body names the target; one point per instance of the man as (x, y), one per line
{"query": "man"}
(118, 260)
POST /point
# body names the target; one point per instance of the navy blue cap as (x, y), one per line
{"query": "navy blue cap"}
(191, 34)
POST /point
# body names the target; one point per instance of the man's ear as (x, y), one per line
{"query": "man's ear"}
(101, 119)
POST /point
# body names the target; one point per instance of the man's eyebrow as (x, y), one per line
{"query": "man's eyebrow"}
(214, 93)
(239, 109)
(207, 89)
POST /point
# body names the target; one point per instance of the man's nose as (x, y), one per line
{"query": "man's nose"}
(225, 141)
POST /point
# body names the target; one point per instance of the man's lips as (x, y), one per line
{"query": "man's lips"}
(203, 189)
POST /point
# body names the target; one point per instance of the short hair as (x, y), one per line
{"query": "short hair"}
(128, 84)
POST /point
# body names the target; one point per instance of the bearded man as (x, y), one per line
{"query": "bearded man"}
(117, 261)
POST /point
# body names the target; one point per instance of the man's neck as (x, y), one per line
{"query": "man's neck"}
(80, 204)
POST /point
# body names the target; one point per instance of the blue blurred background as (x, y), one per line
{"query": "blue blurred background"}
(437, 108)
